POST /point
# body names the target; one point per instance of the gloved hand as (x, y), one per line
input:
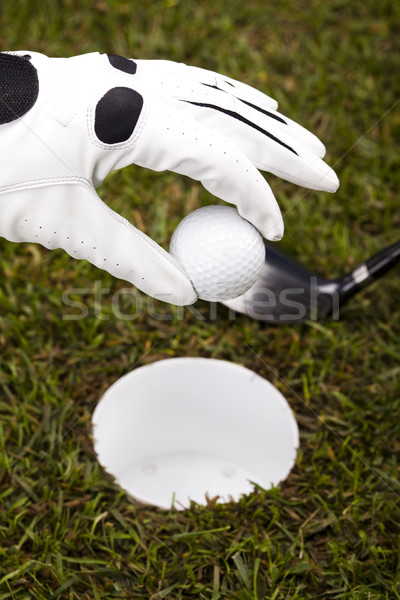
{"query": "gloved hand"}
(66, 123)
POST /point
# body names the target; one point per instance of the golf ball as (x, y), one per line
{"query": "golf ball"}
(220, 252)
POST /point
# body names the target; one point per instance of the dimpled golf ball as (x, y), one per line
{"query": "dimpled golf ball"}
(220, 252)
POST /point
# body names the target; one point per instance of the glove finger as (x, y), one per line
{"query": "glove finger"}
(272, 143)
(304, 136)
(216, 92)
(254, 117)
(179, 75)
(240, 90)
(169, 140)
(74, 218)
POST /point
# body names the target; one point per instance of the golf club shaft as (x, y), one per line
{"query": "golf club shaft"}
(369, 271)
(384, 260)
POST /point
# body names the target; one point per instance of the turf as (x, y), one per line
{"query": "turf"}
(331, 530)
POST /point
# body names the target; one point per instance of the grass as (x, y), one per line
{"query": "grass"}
(331, 530)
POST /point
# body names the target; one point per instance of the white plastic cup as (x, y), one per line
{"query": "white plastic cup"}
(186, 429)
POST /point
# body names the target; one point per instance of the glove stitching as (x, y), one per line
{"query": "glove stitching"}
(65, 180)
(43, 182)
(64, 101)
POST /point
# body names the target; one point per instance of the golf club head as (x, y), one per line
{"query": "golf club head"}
(287, 292)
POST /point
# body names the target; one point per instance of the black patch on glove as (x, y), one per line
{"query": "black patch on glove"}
(122, 64)
(116, 115)
(19, 86)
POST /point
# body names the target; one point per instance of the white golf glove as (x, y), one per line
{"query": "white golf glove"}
(65, 123)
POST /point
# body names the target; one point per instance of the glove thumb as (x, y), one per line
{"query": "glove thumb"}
(73, 217)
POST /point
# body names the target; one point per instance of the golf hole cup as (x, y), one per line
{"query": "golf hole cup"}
(182, 429)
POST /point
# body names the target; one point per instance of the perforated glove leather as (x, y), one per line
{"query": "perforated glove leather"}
(65, 123)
